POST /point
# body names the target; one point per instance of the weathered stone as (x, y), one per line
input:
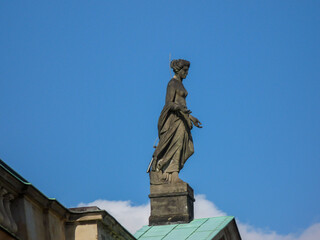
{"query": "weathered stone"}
(171, 203)
(174, 130)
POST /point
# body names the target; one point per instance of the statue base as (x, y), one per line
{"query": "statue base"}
(171, 203)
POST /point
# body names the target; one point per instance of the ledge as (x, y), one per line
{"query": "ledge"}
(6, 231)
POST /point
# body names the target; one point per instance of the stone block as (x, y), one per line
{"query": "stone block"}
(171, 203)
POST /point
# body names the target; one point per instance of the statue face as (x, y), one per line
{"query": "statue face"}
(183, 72)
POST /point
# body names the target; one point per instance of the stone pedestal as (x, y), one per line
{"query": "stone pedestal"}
(171, 203)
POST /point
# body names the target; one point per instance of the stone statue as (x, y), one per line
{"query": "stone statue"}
(174, 130)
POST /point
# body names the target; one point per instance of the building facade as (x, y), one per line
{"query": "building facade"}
(27, 214)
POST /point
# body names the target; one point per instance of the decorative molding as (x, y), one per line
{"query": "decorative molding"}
(6, 218)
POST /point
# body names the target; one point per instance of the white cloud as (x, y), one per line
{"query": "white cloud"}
(129, 216)
(203, 208)
(250, 233)
(134, 217)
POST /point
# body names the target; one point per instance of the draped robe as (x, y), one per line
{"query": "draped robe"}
(175, 141)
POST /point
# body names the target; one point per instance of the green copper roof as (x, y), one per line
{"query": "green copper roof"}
(198, 229)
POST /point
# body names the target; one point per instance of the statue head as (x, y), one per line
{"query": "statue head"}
(180, 67)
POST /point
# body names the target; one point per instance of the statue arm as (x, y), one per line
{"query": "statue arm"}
(170, 96)
(195, 121)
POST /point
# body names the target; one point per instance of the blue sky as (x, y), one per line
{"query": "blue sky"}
(83, 83)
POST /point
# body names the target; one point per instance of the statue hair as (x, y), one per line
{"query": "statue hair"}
(178, 64)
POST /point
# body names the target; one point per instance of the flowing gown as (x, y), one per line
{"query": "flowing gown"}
(175, 140)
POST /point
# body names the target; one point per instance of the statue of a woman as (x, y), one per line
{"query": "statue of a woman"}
(174, 126)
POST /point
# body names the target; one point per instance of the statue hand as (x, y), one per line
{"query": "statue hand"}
(196, 121)
(198, 124)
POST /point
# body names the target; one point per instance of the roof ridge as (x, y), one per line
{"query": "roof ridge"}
(219, 225)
